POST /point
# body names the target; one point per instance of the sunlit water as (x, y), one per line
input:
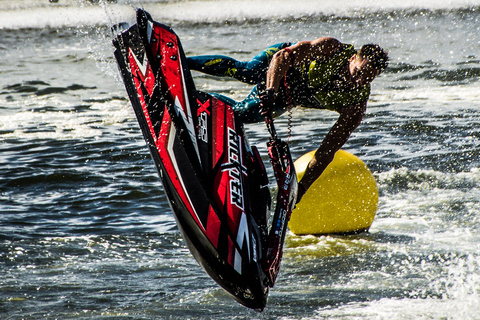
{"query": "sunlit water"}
(85, 228)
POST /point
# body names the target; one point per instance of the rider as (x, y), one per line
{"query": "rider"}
(322, 73)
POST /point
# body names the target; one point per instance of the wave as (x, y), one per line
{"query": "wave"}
(70, 13)
(33, 88)
(402, 179)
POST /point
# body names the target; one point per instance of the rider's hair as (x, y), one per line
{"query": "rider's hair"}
(378, 57)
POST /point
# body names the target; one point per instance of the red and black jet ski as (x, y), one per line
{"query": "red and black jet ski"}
(215, 181)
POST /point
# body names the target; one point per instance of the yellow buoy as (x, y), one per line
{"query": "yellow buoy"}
(343, 199)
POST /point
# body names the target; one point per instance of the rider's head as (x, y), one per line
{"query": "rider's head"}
(368, 63)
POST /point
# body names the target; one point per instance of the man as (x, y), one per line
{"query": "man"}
(323, 73)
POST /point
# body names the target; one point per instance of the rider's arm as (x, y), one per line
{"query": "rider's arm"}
(297, 54)
(349, 119)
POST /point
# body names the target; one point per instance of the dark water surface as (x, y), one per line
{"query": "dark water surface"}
(85, 228)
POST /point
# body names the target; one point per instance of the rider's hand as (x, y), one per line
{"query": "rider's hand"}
(267, 101)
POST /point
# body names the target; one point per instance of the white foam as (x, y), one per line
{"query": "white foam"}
(406, 309)
(252, 9)
(455, 287)
(435, 95)
(71, 13)
(60, 125)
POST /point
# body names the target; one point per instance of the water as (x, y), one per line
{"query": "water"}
(85, 228)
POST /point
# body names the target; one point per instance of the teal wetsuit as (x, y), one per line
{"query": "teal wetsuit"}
(252, 72)
(313, 85)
